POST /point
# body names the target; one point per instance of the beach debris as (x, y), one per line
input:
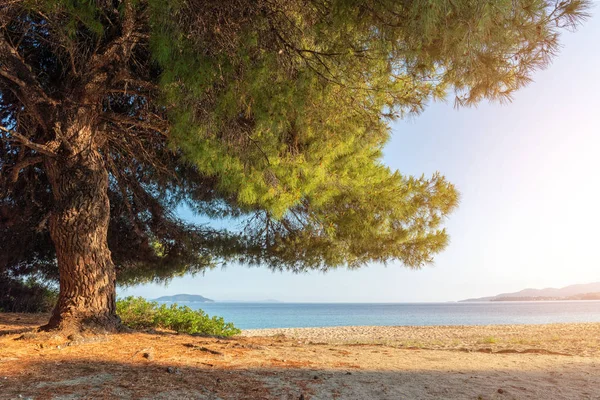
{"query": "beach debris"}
(250, 346)
(147, 353)
(202, 348)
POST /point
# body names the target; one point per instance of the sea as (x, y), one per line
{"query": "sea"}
(300, 315)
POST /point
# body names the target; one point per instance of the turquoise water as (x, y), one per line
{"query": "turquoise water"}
(296, 315)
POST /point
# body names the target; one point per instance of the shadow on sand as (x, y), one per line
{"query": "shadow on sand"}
(88, 379)
(15, 323)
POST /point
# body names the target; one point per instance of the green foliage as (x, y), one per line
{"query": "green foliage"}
(265, 118)
(289, 110)
(138, 313)
(279, 117)
(29, 295)
(79, 14)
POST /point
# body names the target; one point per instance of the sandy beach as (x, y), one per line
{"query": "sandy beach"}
(559, 361)
(569, 339)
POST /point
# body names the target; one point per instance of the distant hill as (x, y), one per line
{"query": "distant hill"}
(588, 291)
(192, 298)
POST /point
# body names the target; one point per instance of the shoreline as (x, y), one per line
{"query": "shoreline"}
(467, 326)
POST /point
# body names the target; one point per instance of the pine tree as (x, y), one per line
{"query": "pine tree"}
(268, 116)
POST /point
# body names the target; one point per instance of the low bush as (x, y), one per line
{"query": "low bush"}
(138, 313)
(29, 295)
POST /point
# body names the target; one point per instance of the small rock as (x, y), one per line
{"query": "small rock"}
(148, 356)
(500, 391)
(315, 377)
(301, 397)
(58, 347)
(172, 370)
(218, 380)
(348, 373)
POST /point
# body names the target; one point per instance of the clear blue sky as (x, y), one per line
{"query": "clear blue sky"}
(529, 177)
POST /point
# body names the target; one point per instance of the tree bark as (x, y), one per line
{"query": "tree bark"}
(78, 227)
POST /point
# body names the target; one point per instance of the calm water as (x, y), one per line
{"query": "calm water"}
(295, 315)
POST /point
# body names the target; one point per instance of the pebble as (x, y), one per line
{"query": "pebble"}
(500, 391)
(172, 370)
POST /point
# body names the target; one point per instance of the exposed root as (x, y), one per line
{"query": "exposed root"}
(72, 325)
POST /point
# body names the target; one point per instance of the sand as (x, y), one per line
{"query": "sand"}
(560, 361)
(568, 339)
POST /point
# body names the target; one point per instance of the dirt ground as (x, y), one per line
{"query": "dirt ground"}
(560, 361)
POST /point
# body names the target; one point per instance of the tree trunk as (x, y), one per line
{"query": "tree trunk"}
(78, 227)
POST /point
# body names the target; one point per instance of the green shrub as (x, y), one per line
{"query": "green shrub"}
(26, 295)
(138, 313)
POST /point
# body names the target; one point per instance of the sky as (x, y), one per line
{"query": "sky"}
(529, 177)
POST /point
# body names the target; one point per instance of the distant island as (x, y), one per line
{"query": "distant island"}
(192, 298)
(588, 291)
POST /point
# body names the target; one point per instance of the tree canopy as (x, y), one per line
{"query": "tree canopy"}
(270, 115)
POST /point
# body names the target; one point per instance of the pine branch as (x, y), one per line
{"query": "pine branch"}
(122, 45)
(13, 64)
(40, 148)
(14, 174)
(160, 126)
